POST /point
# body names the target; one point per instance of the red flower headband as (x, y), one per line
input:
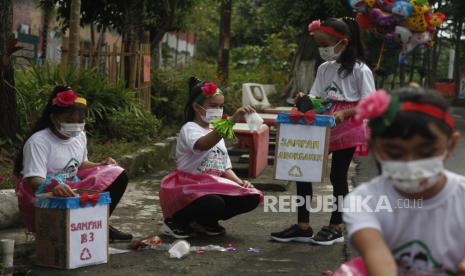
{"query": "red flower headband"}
(316, 25)
(209, 89)
(429, 110)
(380, 108)
(68, 98)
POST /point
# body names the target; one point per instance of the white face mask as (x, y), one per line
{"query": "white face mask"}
(212, 114)
(71, 130)
(413, 176)
(328, 53)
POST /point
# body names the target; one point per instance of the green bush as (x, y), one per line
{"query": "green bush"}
(106, 101)
(267, 64)
(127, 127)
(169, 95)
(170, 91)
(7, 179)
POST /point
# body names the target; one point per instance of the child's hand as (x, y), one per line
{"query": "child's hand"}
(109, 161)
(339, 116)
(238, 116)
(461, 269)
(299, 95)
(247, 184)
(62, 191)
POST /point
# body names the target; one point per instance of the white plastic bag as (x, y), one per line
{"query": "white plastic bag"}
(179, 249)
(254, 121)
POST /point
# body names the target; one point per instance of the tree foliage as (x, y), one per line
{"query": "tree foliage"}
(158, 16)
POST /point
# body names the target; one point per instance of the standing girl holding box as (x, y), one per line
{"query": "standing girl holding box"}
(344, 80)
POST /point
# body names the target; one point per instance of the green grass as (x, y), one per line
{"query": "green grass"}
(7, 181)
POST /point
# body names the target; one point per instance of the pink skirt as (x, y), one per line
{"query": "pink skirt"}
(350, 133)
(95, 179)
(179, 189)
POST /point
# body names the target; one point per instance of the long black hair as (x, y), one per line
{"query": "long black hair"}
(195, 89)
(354, 51)
(408, 124)
(44, 122)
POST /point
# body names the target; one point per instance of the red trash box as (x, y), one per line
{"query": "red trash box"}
(257, 142)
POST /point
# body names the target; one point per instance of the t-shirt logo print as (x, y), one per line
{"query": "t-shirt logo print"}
(415, 258)
(334, 92)
(71, 169)
(214, 162)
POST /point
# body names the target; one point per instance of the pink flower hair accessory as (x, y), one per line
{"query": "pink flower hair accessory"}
(313, 26)
(210, 88)
(373, 106)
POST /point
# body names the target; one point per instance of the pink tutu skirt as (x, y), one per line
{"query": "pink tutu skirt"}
(350, 133)
(95, 179)
(179, 189)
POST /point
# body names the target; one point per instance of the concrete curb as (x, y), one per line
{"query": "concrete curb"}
(9, 212)
(156, 157)
(159, 157)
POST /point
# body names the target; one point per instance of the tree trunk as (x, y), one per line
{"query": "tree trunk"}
(101, 38)
(225, 37)
(393, 80)
(435, 59)
(436, 49)
(8, 113)
(402, 74)
(134, 22)
(303, 67)
(132, 36)
(430, 74)
(157, 32)
(92, 35)
(47, 8)
(412, 65)
(457, 69)
(74, 38)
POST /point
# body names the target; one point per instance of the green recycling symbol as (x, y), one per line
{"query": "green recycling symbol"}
(295, 171)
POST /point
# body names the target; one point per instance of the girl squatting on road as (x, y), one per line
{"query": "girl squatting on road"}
(204, 189)
(54, 159)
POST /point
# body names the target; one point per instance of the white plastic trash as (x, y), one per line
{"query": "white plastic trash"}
(179, 249)
(209, 247)
(254, 121)
(8, 251)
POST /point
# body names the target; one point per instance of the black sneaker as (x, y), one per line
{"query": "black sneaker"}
(293, 233)
(117, 235)
(328, 236)
(210, 230)
(171, 228)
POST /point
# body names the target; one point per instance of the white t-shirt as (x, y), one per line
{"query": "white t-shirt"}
(47, 155)
(426, 237)
(329, 85)
(213, 161)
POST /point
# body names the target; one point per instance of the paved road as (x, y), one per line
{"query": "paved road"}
(139, 213)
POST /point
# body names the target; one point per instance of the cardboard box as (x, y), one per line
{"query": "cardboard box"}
(72, 232)
(302, 149)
